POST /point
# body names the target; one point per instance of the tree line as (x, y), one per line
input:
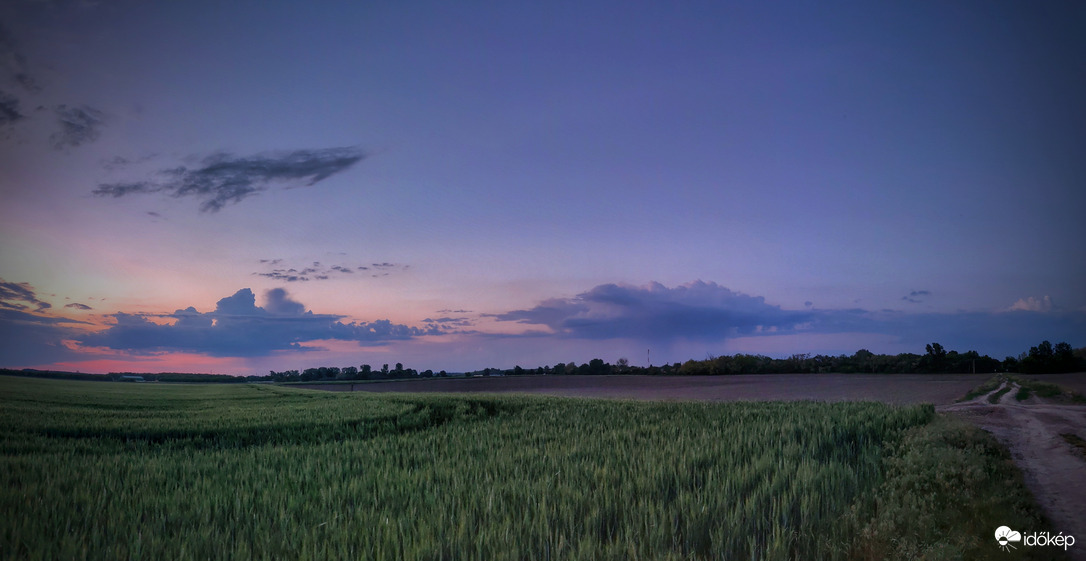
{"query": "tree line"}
(364, 372)
(1042, 358)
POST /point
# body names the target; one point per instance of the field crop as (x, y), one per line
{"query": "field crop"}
(158, 471)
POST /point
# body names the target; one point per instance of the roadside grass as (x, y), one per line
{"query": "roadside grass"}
(1028, 387)
(948, 486)
(90, 470)
(994, 398)
(989, 385)
(1076, 441)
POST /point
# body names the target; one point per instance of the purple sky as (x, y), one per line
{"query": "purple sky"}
(237, 187)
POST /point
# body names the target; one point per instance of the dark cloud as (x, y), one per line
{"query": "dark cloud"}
(122, 189)
(20, 296)
(120, 162)
(278, 302)
(317, 271)
(449, 321)
(224, 178)
(454, 311)
(709, 312)
(78, 126)
(238, 327)
(916, 296)
(78, 306)
(13, 63)
(696, 310)
(9, 110)
(29, 339)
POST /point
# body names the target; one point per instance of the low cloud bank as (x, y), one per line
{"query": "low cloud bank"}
(710, 313)
(238, 327)
(694, 310)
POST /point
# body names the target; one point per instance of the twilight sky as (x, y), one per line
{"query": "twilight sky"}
(234, 187)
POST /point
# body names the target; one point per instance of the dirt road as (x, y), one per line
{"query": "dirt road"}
(1055, 471)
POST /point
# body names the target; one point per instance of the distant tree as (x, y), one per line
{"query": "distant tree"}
(597, 366)
(863, 361)
(1042, 352)
(935, 360)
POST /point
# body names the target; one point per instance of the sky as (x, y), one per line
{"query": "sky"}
(237, 187)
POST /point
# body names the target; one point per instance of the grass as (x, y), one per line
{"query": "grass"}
(1076, 441)
(988, 386)
(994, 398)
(1028, 387)
(948, 485)
(129, 471)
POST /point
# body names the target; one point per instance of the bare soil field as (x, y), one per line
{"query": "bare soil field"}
(1032, 430)
(889, 388)
(1073, 381)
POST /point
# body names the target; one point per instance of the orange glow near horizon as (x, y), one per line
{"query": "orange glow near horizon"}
(158, 363)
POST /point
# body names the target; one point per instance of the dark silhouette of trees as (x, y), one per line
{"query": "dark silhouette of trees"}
(1044, 357)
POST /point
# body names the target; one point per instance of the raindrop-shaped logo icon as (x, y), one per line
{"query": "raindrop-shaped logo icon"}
(1005, 536)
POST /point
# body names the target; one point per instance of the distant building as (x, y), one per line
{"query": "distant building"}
(127, 378)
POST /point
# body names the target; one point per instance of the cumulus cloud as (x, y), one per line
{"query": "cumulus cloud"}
(238, 327)
(1032, 304)
(78, 126)
(78, 306)
(222, 178)
(696, 310)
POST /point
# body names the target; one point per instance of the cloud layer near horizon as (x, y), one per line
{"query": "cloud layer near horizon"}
(222, 178)
(708, 312)
(238, 327)
(701, 312)
(694, 310)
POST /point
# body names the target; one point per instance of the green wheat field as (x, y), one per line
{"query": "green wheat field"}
(96, 470)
